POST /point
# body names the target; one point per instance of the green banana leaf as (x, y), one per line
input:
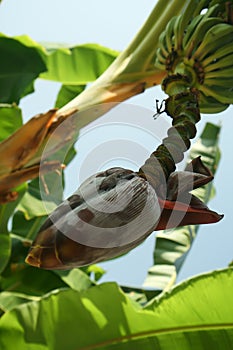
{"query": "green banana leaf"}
(67, 93)
(196, 314)
(26, 228)
(172, 246)
(5, 249)
(20, 65)
(33, 209)
(94, 271)
(32, 205)
(9, 300)
(75, 279)
(24, 279)
(6, 211)
(23, 60)
(77, 65)
(19, 277)
(10, 120)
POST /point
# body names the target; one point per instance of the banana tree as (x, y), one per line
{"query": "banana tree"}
(190, 56)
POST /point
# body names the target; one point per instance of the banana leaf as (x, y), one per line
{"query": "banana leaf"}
(8, 300)
(76, 65)
(20, 65)
(196, 314)
(10, 119)
(17, 277)
(67, 93)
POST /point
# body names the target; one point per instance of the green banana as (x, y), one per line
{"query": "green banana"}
(191, 29)
(220, 3)
(179, 27)
(225, 82)
(220, 73)
(224, 62)
(200, 5)
(162, 44)
(219, 78)
(202, 50)
(210, 105)
(161, 66)
(223, 51)
(201, 30)
(169, 32)
(160, 58)
(223, 95)
(218, 36)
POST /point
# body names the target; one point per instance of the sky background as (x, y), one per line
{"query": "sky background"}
(114, 24)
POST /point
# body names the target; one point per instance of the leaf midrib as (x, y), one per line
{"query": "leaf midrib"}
(214, 326)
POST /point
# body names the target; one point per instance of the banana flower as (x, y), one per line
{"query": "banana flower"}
(113, 212)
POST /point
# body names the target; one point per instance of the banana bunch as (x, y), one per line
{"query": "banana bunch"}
(203, 50)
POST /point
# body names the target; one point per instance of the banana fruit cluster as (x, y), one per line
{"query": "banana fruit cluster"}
(203, 50)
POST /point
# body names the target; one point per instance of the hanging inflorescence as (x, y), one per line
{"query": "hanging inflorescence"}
(197, 56)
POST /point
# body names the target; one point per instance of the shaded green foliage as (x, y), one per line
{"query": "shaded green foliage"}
(20, 66)
(103, 317)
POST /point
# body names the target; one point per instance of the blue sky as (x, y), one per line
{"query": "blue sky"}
(114, 24)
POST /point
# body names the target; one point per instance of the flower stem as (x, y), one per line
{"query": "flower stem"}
(182, 107)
